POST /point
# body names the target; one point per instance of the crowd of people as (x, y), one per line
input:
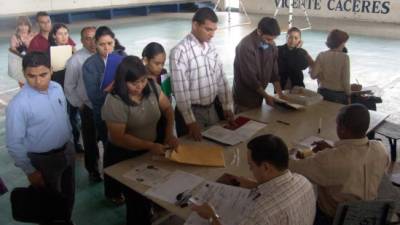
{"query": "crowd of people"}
(45, 120)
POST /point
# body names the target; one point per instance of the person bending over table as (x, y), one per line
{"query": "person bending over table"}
(279, 196)
(349, 170)
(132, 111)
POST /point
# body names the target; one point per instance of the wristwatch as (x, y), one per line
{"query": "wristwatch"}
(213, 218)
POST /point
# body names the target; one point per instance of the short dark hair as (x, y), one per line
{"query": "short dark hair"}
(40, 14)
(87, 28)
(354, 118)
(336, 38)
(130, 69)
(269, 26)
(204, 14)
(35, 59)
(103, 31)
(152, 49)
(294, 29)
(271, 149)
(56, 27)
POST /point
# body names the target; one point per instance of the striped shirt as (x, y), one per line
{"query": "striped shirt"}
(197, 77)
(285, 200)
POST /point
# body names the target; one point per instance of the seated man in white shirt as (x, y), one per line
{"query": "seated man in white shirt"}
(281, 197)
(350, 170)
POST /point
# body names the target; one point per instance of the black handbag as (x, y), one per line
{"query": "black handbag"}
(32, 205)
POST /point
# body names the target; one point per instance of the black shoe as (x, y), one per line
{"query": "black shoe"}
(78, 148)
(95, 177)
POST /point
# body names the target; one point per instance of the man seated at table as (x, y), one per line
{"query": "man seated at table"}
(279, 196)
(350, 170)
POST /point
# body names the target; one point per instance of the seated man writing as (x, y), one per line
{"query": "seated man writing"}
(280, 197)
(350, 170)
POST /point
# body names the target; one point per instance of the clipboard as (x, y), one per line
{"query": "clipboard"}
(112, 62)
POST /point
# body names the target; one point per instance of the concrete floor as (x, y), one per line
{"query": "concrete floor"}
(373, 50)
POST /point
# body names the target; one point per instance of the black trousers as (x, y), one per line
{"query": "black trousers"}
(74, 119)
(58, 171)
(138, 208)
(89, 138)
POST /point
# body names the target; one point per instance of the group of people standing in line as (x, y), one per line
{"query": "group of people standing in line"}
(135, 116)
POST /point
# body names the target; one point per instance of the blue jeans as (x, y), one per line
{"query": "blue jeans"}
(333, 96)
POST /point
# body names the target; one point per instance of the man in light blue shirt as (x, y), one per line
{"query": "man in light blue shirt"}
(75, 92)
(38, 130)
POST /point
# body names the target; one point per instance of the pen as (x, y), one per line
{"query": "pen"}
(283, 122)
(319, 125)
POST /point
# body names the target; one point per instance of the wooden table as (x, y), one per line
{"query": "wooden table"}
(301, 124)
(392, 132)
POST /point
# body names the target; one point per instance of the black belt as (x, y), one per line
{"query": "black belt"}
(52, 151)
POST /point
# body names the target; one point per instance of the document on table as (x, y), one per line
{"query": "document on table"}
(147, 174)
(285, 104)
(178, 182)
(233, 137)
(59, 56)
(15, 67)
(308, 142)
(198, 153)
(230, 202)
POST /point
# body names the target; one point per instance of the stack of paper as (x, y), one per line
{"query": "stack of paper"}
(200, 154)
(230, 202)
(287, 105)
(59, 56)
(233, 137)
(302, 96)
(308, 142)
(178, 182)
(147, 174)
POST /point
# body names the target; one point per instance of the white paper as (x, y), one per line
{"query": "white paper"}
(233, 137)
(15, 67)
(59, 56)
(376, 118)
(229, 202)
(247, 130)
(222, 135)
(308, 142)
(147, 174)
(176, 183)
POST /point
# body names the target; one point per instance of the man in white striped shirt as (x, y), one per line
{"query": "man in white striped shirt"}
(279, 197)
(198, 77)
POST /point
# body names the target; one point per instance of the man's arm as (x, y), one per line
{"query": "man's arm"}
(15, 134)
(225, 93)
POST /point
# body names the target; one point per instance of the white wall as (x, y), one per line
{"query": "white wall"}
(366, 10)
(15, 7)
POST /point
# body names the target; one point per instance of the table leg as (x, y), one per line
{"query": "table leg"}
(393, 149)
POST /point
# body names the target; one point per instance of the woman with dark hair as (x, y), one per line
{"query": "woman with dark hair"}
(59, 35)
(131, 112)
(92, 73)
(154, 56)
(292, 60)
(332, 69)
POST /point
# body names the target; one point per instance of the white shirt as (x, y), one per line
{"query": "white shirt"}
(285, 200)
(74, 87)
(197, 77)
(351, 170)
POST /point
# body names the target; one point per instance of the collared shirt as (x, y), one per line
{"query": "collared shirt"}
(288, 199)
(36, 122)
(197, 77)
(41, 44)
(350, 171)
(74, 86)
(254, 67)
(332, 70)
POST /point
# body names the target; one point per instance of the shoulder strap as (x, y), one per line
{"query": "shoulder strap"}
(154, 88)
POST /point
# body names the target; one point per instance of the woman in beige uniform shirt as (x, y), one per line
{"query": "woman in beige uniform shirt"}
(332, 69)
